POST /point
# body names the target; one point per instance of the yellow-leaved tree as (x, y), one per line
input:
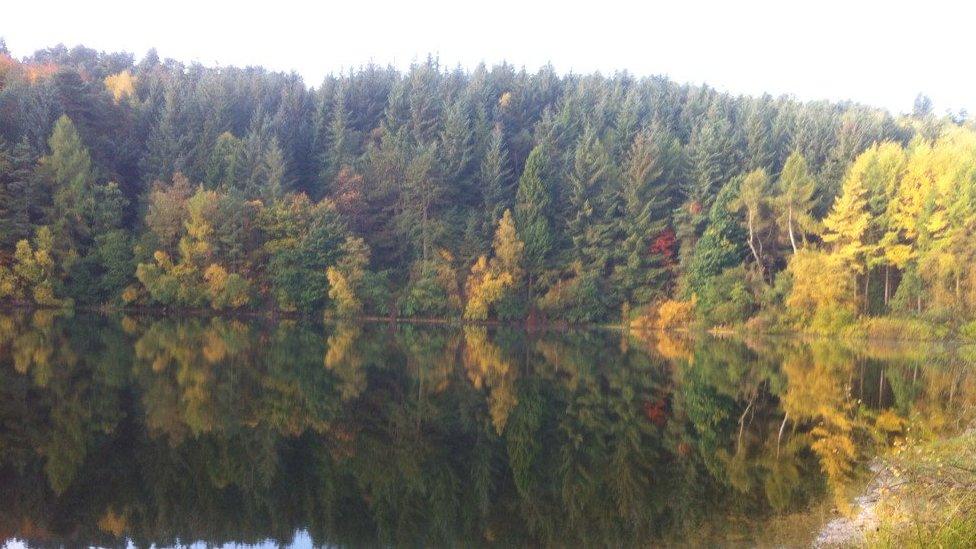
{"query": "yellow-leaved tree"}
(33, 273)
(346, 278)
(490, 280)
(121, 85)
(846, 226)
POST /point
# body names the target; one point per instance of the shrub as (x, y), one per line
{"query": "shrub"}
(674, 315)
(831, 320)
(727, 298)
(902, 328)
(578, 299)
(968, 331)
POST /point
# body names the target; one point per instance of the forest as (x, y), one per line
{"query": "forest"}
(486, 194)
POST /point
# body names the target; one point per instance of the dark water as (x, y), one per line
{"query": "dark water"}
(122, 431)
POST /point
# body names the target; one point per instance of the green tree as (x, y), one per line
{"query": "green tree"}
(721, 245)
(796, 199)
(533, 202)
(69, 168)
(753, 200)
(644, 203)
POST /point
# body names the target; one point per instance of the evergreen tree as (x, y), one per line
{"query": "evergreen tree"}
(341, 137)
(19, 198)
(274, 172)
(494, 179)
(587, 226)
(760, 140)
(712, 158)
(226, 165)
(721, 245)
(532, 212)
(645, 205)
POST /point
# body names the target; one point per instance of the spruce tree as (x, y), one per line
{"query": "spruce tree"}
(275, 172)
(721, 245)
(494, 179)
(533, 203)
(645, 204)
(586, 223)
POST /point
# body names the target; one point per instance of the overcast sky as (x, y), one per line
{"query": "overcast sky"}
(880, 53)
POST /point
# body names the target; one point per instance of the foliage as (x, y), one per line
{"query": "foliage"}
(623, 193)
(673, 314)
(490, 281)
(728, 298)
(820, 281)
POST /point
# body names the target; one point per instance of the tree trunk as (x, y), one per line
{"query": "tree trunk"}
(752, 247)
(880, 387)
(790, 224)
(887, 285)
(867, 286)
(779, 437)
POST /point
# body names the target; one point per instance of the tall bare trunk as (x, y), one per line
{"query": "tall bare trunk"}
(881, 387)
(867, 285)
(779, 437)
(752, 246)
(887, 285)
(790, 224)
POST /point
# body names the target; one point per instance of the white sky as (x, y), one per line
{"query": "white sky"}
(880, 53)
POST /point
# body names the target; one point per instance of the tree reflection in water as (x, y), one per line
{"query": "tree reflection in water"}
(226, 430)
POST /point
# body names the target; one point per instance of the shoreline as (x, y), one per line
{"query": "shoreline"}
(918, 492)
(953, 337)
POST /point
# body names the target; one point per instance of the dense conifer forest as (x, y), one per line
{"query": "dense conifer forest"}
(497, 193)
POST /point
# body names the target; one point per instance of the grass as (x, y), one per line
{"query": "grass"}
(931, 501)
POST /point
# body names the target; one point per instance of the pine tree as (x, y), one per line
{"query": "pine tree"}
(274, 172)
(721, 245)
(587, 225)
(712, 158)
(494, 179)
(457, 148)
(422, 197)
(760, 142)
(341, 136)
(532, 211)
(645, 205)
(226, 166)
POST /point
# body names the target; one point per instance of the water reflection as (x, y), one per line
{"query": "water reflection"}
(223, 430)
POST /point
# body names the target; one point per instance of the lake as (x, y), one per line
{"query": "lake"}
(134, 430)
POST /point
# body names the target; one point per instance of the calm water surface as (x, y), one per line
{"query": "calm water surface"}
(139, 431)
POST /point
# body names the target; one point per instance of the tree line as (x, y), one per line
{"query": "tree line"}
(494, 193)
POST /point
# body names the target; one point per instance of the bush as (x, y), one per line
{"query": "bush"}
(675, 315)
(902, 328)
(831, 320)
(425, 298)
(968, 331)
(578, 299)
(727, 298)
